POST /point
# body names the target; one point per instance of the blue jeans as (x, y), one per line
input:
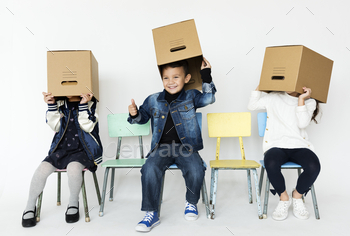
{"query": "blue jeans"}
(158, 161)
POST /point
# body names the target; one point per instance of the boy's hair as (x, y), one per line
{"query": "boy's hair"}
(183, 64)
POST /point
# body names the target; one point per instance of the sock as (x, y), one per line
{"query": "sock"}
(37, 185)
(75, 179)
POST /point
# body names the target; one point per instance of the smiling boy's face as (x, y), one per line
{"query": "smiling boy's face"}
(174, 79)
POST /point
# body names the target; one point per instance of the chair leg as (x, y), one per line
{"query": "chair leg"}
(112, 186)
(211, 185)
(213, 192)
(161, 195)
(314, 200)
(58, 188)
(205, 198)
(249, 187)
(262, 171)
(105, 180)
(97, 188)
(266, 200)
(257, 191)
(38, 208)
(86, 207)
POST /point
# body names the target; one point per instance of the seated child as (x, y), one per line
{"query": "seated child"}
(76, 145)
(176, 137)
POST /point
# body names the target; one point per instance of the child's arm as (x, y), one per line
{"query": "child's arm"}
(87, 120)
(53, 117)
(257, 101)
(208, 87)
(305, 108)
(138, 116)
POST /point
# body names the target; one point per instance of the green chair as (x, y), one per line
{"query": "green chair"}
(83, 191)
(119, 127)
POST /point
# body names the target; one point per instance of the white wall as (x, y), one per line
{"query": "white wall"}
(233, 34)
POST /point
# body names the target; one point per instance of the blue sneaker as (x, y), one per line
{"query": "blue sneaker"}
(149, 221)
(191, 212)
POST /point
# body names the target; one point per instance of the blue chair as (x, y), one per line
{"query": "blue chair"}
(204, 188)
(262, 118)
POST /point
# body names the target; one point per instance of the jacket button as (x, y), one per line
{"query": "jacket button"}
(265, 141)
(162, 117)
(186, 107)
(159, 130)
(166, 104)
(267, 129)
(267, 117)
(155, 113)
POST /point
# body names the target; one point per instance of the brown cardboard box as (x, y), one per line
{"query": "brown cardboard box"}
(177, 42)
(71, 73)
(289, 68)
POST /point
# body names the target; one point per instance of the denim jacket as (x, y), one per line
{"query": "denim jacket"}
(182, 111)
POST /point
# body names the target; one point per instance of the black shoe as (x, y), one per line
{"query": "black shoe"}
(30, 222)
(72, 218)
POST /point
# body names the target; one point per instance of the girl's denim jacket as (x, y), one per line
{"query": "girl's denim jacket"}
(182, 111)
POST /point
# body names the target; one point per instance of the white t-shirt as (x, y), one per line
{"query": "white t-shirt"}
(286, 121)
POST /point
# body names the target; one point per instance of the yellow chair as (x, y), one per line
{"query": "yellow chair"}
(225, 125)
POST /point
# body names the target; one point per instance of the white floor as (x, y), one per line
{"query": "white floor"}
(234, 215)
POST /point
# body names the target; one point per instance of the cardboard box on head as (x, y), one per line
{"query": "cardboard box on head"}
(71, 73)
(290, 68)
(178, 42)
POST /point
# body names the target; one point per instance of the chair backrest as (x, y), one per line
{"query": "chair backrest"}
(262, 117)
(233, 124)
(118, 126)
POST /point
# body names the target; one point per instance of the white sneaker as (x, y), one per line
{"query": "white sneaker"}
(299, 209)
(281, 211)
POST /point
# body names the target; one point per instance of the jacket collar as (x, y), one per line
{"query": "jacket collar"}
(181, 97)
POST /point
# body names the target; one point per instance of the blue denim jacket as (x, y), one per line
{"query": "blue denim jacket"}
(182, 111)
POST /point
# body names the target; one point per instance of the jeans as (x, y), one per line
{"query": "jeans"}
(275, 157)
(158, 161)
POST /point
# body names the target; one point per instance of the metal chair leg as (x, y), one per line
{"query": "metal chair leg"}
(213, 193)
(314, 200)
(211, 185)
(262, 171)
(161, 195)
(38, 208)
(205, 198)
(112, 186)
(86, 207)
(249, 187)
(266, 201)
(97, 188)
(58, 188)
(105, 180)
(257, 191)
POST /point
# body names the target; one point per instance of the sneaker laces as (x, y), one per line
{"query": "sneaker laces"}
(148, 217)
(300, 207)
(190, 207)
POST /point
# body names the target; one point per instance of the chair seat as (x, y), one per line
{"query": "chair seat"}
(65, 170)
(287, 165)
(122, 163)
(174, 166)
(234, 164)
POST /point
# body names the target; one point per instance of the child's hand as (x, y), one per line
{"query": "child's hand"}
(205, 64)
(48, 98)
(85, 98)
(133, 108)
(306, 94)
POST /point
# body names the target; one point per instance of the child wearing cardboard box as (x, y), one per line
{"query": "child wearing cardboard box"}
(75, 146)
(285, 139)
(176, 137)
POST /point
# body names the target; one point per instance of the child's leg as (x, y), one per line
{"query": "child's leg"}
(193, 171)
(311, 168)
(75, 178)
(37, 185)
(273, 159)
(152, 172)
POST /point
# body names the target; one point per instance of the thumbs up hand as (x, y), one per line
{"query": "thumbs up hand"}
(133, 108)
